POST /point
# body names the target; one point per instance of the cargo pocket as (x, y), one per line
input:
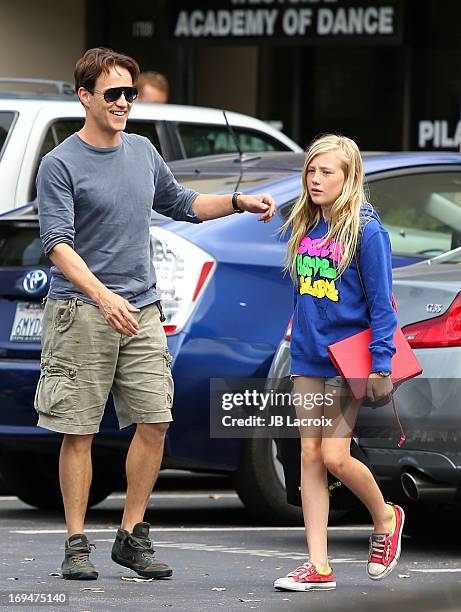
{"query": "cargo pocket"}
(57, 390)
(168, 379)
(65, 314)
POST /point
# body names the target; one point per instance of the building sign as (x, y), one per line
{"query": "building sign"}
(439, 135)
(304, 21)
(142, 29)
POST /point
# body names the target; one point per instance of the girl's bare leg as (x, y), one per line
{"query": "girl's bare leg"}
(314, 484)
(352, 472)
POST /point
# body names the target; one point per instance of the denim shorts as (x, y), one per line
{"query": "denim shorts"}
(84, 358)
(333, 381)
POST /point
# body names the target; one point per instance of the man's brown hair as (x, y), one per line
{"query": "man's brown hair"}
(155, 79)
(99, 60)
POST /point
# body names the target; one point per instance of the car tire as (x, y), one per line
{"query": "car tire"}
(34, 478)
(260, 484)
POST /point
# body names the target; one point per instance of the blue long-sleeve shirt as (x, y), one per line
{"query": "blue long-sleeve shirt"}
(328, 309)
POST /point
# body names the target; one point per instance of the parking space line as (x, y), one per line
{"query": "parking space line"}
(180, 496)
(437, 570)
(192, 529)
(115, 496)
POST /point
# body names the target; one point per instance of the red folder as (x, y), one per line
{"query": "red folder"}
(352, 358)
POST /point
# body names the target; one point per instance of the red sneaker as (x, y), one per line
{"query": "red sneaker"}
(384, 551)
(306, 578)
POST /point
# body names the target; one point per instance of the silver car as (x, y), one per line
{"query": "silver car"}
(426, 470)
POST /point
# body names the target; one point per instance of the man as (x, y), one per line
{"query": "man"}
(153, 88)
(102, 322)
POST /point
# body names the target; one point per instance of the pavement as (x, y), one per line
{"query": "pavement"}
(222, 559)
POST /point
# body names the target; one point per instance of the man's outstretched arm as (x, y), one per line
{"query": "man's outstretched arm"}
(209, 206)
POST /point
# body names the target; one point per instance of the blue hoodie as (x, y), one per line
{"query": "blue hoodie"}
(328, 309)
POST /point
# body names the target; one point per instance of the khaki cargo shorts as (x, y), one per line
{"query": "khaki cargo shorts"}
(83, 359)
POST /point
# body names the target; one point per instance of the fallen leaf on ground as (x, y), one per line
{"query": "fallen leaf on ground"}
(29, 558)
(55, 574)
(134, 579)
(93, 589)
(404, 575)
(12, 578)
(218, 589)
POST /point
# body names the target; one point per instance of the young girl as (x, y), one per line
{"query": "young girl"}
(327, 223)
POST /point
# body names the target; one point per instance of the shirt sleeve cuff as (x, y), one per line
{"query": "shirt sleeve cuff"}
(381, 361)
(47, 246)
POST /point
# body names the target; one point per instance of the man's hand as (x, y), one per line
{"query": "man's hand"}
(117, 312)
(260, 203)
(379, 388)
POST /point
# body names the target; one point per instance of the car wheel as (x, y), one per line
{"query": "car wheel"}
(34, 478)
(260, 484)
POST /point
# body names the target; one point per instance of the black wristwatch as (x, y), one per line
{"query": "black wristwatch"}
(235, 195)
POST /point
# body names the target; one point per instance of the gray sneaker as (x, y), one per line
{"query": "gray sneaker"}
(135, 551)
(77, 564)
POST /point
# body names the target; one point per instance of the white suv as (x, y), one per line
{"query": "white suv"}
(31, 124)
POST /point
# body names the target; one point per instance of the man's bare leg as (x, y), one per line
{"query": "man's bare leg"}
(142, 467)
(75, 473)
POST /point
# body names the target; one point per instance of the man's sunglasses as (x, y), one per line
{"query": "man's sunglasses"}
(113, 93)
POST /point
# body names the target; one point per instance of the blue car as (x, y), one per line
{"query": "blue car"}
(227, 304)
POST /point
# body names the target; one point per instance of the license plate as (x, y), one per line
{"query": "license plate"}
(27, 324)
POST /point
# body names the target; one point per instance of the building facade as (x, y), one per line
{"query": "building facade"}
(385, 72)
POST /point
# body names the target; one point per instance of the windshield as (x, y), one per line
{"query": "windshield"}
(20, 246)
(6, 121)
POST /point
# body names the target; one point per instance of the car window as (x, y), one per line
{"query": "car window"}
(144, 128)
(421, 211)
(57, 133)
(62, 129)
(198, 140)
(6, 121)
(20, 246)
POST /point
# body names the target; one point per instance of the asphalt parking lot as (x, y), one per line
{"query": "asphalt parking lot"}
(222, 559)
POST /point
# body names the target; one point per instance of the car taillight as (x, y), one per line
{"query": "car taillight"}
(288, 332)
(183, 271)
(439, 331)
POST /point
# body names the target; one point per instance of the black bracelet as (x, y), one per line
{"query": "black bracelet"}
(235, 195)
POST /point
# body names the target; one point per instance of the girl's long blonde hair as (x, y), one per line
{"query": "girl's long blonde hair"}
(345, 213)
